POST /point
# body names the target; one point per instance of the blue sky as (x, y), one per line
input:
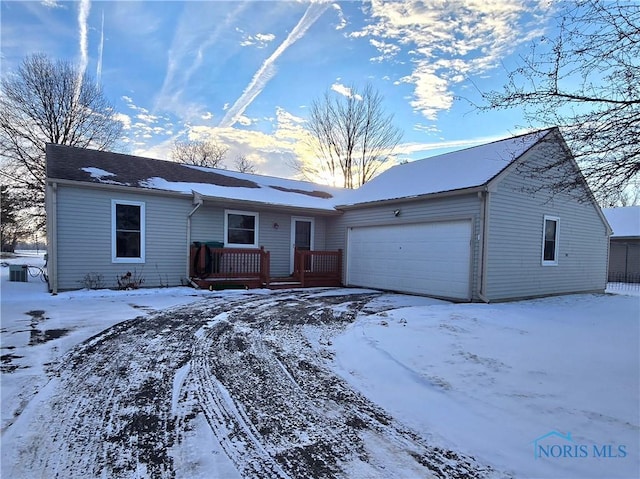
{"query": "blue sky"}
(244, 73)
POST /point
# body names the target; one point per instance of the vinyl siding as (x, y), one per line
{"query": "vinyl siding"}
(208, 225)
(515, 230)
(437, 209)
(624, 260)
(84, 237)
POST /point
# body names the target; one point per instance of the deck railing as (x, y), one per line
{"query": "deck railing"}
(318, 268)
(230, 263)
(251, 267)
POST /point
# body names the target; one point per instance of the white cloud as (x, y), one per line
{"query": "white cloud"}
(147, 118)
(449, 41)
(387, 50)
(207, 115)
(267, 70)
(83, 15)
(124, 119)
(51, 4)
(344, 90)
(342, 20)
(244, 121)
(261, 40)
(265, 37)
(200, 27)
(341, 89)
(100, 52)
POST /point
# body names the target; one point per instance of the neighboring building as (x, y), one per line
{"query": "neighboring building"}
(624, 245)
(472, 225)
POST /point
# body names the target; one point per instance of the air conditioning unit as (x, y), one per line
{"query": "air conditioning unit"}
(18, 272)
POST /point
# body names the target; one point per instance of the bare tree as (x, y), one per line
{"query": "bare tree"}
(351, 136)
(586, 80)
(615, 198)
(48, 102)
(199, 153)
(244, 165)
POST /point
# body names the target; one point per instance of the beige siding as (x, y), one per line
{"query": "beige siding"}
(515, 229)
(439, 209)
(84, 237)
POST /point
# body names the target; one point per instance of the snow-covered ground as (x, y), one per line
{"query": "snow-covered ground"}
(491, 379)
(541, 388)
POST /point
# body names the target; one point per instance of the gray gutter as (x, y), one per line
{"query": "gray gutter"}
(198, 201)
(259, 204)
(51, 208)
(427, 196)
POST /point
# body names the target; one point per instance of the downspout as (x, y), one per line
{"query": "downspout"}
(484, 232)
(197, 199)
(52, 234)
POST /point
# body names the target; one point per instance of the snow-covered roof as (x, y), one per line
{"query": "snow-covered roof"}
(78, 164)
(457, 170)
(625, 221)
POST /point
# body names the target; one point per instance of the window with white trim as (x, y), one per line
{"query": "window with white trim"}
(240, 229)
(127, 231)
(550, 237)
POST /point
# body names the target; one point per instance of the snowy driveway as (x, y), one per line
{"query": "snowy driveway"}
(145, 397)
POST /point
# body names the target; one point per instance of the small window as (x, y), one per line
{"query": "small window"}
(241, 229)
(550, 241)
(127, 231)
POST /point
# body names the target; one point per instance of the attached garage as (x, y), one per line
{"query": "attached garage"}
(423, 258)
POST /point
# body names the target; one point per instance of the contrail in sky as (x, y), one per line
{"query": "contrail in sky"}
(83, 14)
(185, 42)
(268, 69)
(100, 50)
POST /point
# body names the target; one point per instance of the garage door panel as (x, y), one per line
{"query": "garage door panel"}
(426, 258)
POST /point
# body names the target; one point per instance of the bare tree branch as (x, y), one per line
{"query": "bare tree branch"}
(586, 80)
(48, 102)
(244, 165)
(351, 136)
(199, 153)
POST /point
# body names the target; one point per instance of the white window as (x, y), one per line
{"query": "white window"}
(127, 231)
(240, 229)
(550, 243)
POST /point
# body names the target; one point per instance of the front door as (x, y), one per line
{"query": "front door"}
(301, 236)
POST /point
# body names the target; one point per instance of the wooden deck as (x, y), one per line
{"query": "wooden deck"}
(233, 268)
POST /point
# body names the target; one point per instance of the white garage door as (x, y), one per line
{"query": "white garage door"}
(425, 258)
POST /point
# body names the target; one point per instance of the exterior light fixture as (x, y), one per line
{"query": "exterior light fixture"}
(396, 212)
(276, 226)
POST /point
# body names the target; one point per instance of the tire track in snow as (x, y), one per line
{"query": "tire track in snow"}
(110, 414)
(279, 412)
(123, 400)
